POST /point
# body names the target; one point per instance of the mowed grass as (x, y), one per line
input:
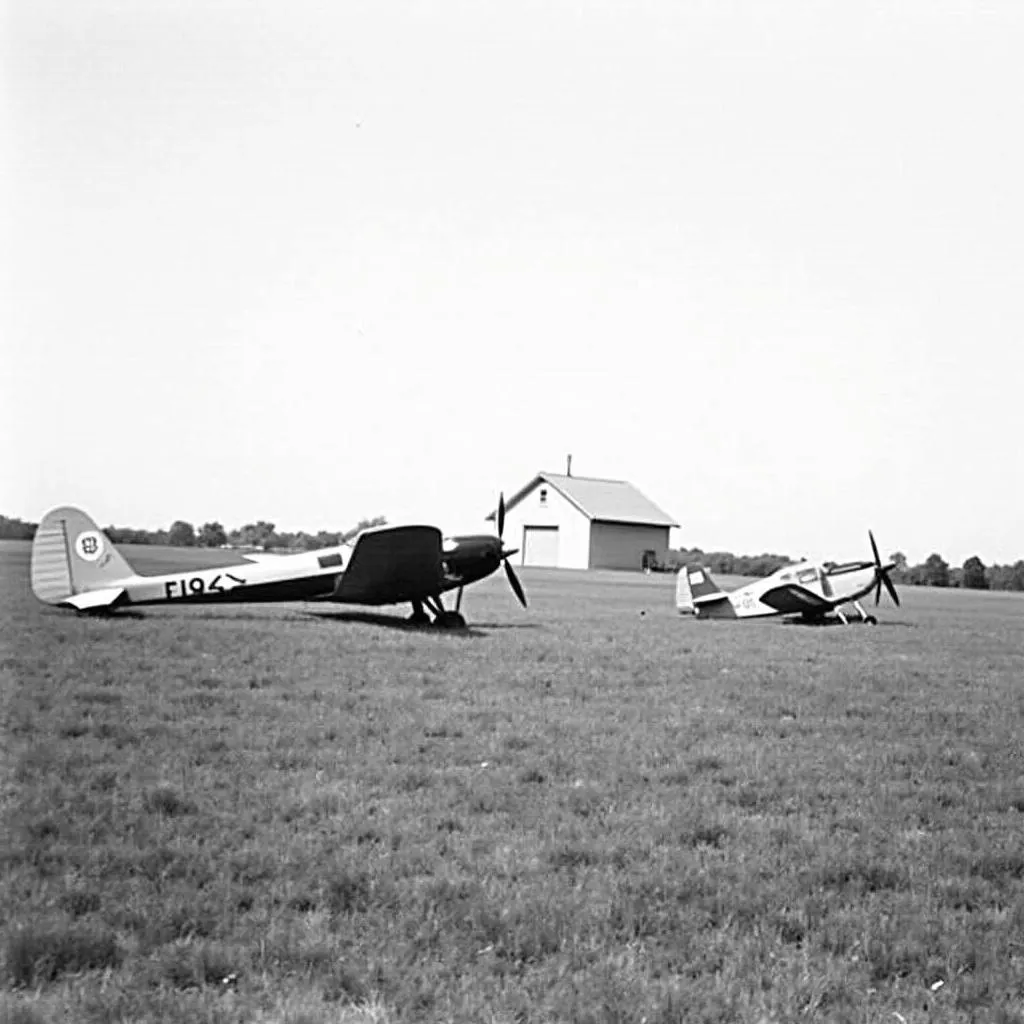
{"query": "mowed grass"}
(592, 811)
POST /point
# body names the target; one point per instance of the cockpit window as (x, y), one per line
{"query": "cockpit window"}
(807, 576)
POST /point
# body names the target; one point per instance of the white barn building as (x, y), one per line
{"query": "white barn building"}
(577, 522)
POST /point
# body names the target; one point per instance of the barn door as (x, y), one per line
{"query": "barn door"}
(540, 545)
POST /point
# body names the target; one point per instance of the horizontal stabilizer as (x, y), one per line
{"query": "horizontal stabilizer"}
(92, 600)
(703, 602)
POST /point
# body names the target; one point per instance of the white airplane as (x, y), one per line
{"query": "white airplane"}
(74, 565)
(810, 589)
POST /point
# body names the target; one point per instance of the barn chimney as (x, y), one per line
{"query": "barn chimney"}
(568, 465)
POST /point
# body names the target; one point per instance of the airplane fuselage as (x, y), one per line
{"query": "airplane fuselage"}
(835, 584)
(75, 565)
(307, 576)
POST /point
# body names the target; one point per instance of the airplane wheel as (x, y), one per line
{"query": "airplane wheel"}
(871, 621)
(450, 620)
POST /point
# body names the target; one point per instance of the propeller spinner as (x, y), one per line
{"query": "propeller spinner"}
(882, 574)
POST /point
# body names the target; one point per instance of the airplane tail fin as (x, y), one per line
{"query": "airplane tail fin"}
(701, 585)
(72, 557)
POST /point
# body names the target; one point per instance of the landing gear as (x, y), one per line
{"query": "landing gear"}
(821, 618)
(868, 620)
(443, 618)
(419, 617)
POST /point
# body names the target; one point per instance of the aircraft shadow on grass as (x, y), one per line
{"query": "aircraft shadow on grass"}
(110, 615)
(396, 622)
(510, 625)
(833, 621)
(204, 615)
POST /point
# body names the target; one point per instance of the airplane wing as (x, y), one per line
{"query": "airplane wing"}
(391, 565)
(791, 598)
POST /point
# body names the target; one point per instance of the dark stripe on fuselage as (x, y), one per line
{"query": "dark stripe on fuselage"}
(473, 558)
(840, 570)
(305, 588)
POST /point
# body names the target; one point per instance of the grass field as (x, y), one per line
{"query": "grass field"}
(592, 811)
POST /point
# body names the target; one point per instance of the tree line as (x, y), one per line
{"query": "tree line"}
(725, 563)
(261, 535)
(934, 571)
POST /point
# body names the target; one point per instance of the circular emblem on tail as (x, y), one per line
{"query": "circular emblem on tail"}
(89, 545)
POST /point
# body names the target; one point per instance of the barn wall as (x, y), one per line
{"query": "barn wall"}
(622, 545)
(573, 526)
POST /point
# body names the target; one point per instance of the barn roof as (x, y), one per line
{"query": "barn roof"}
(613, 501)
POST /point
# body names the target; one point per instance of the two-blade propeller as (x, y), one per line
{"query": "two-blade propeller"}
(513, 579)
(882, 574)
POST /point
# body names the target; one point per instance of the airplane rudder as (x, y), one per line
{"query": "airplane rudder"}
(700, 582)
(684, 596)
(71, 554)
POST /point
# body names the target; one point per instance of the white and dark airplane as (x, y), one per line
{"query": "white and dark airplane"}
(74, 565)
(811, 590)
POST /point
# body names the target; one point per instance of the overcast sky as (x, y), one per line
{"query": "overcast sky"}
(311, 262)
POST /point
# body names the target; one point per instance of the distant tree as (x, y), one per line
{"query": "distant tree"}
(913, 575)
(126, 535)
(762, 565)
(726, 563)
(212, 535)
(998, 577)
(15, 529)
(900, 566)
(972, 576)
(181, 534)
(1016, 580)
(936, 571)
(676, 558)
(1005, 577)
(254, 535)
(723, 562)
(363, 524)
